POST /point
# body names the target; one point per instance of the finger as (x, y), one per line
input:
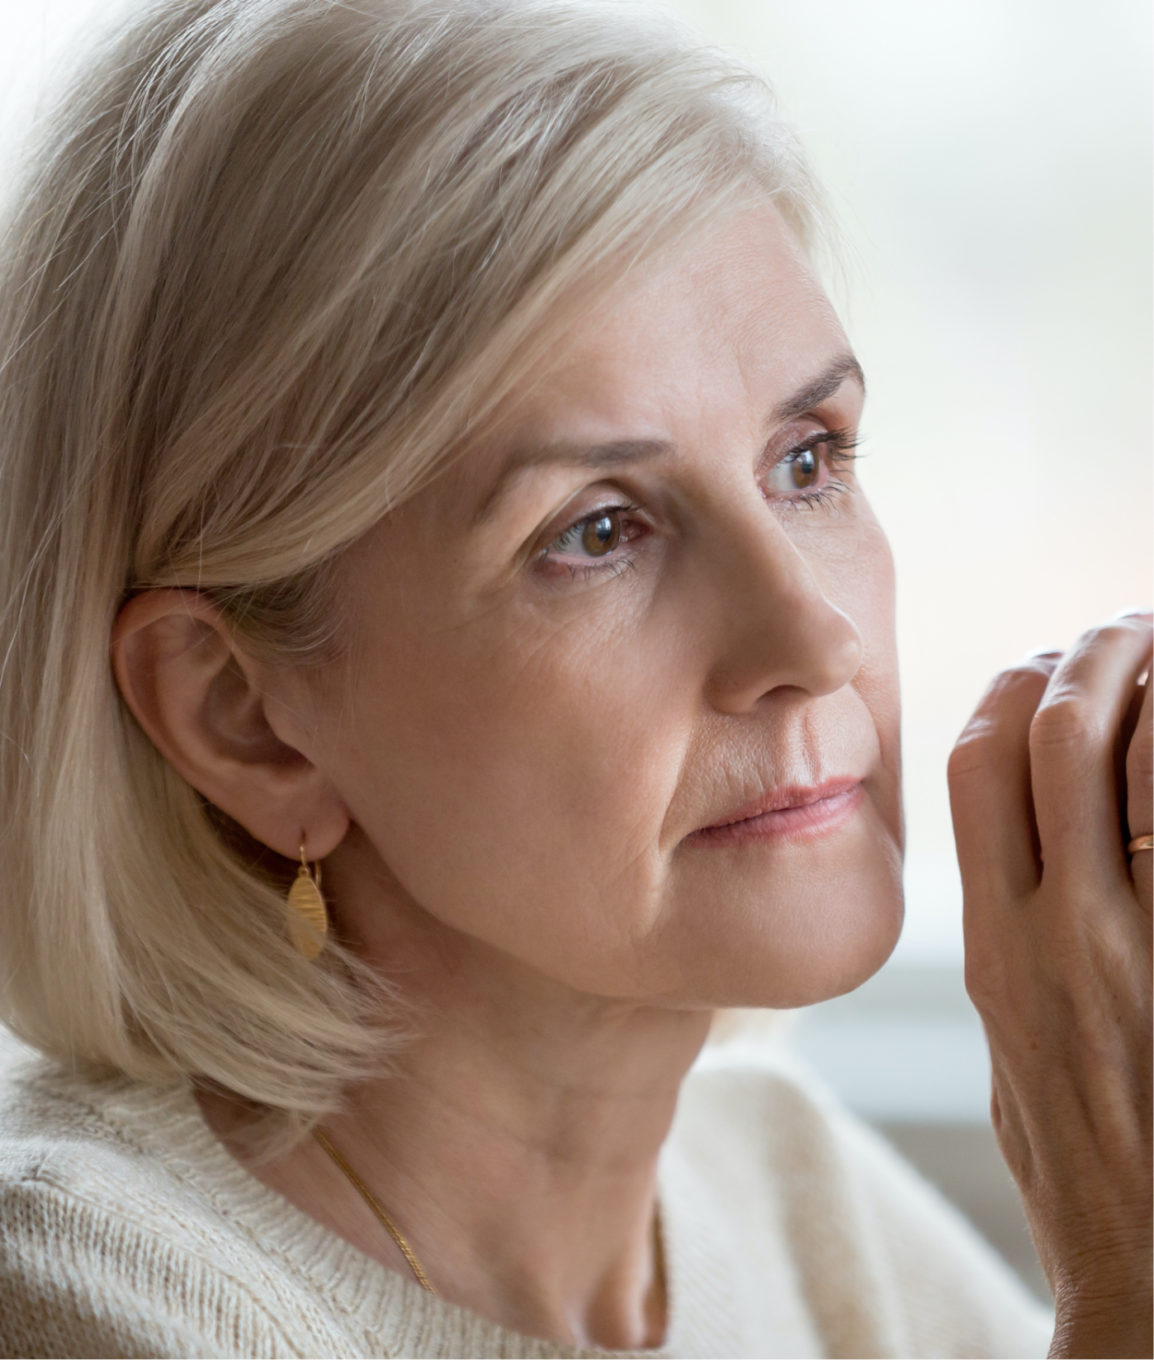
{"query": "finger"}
(989, 777)
(1140, 796)
(1072, 742)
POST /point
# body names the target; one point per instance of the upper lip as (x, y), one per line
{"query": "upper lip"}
(792, 795)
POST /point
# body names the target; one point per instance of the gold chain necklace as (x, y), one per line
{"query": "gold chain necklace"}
(399, 1237)
(378, 1209)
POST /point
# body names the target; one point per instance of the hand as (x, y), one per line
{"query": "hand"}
(1048, 782)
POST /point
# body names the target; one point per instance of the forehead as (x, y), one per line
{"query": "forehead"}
(695, 349)
(734, 310)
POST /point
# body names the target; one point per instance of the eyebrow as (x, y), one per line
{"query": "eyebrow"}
(614, 452)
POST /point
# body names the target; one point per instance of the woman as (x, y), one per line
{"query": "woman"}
(429, 457)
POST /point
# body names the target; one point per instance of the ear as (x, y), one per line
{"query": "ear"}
(204, 703)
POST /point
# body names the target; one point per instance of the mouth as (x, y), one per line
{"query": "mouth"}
(791, 813)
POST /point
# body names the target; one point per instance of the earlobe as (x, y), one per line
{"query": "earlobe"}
(201, 699)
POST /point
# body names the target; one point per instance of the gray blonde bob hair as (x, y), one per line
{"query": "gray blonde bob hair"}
(273, 264)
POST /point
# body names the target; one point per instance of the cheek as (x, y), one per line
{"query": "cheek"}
(864, 589)
(514, 778)
(873, 603)
(855, 571)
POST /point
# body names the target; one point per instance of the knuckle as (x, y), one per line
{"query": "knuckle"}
(1127, 626)
(998, 719)
(1065, 723)
(1011, 687)
(986, 996)
(976, 983)
(975, 752)
(1030, 672)
(1037, 666)
(984, 979)
(1107, 634)
(1112, 631)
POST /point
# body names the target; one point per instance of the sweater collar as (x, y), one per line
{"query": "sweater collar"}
(394, 1314)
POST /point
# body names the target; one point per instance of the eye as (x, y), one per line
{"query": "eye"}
(597, 535)
(797, 471)
(804, 476)
(594, 543)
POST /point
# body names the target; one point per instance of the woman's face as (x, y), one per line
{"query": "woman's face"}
(655, 597)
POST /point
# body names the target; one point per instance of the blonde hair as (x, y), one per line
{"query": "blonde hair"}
(275, 262)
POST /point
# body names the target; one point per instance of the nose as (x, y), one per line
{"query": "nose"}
(776, 627)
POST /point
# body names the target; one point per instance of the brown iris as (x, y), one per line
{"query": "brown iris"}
(803, 469)
(601, 534)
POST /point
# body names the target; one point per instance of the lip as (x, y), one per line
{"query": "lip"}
(787, 813)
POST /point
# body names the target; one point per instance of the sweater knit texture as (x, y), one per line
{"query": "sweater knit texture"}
(789, 1229)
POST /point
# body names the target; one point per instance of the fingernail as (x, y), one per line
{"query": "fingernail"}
(1134, 612)
(1039, 652)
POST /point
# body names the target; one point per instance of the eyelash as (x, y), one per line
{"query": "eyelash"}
(841, 445)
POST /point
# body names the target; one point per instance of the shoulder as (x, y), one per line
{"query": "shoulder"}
(78, 1140)
(103, 1250)
(876, 1246)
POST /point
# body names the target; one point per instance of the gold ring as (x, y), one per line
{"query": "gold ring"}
(1141, 843)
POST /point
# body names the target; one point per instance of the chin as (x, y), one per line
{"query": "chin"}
(835, 976)
(795, 940)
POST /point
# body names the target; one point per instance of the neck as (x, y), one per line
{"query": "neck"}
(523, 1174)
(516, 1148)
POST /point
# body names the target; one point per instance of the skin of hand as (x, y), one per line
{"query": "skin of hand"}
(1049, 781)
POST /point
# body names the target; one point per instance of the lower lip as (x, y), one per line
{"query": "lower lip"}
(787, 824)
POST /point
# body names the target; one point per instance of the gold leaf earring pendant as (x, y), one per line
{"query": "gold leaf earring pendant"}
(308, 921)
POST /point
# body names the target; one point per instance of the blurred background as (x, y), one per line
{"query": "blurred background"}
(990, 166)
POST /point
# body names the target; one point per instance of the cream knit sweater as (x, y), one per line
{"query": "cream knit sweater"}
(126, 1229)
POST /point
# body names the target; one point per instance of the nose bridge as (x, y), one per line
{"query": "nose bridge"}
(775, 625)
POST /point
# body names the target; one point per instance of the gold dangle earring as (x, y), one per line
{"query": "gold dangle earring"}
(308, 921)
